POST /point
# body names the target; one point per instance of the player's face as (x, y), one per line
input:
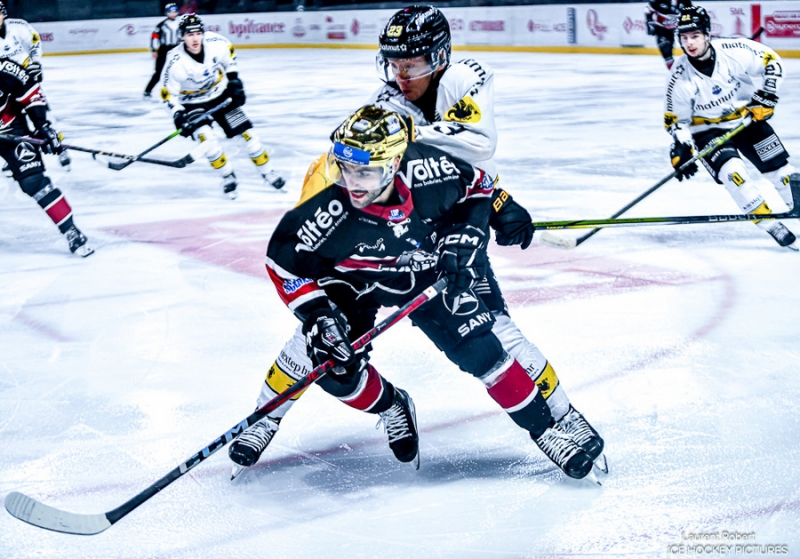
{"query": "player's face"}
(364, 184)
(193, 41)
(2, 18)
(172, 14)
(696, 44)
(413, 76)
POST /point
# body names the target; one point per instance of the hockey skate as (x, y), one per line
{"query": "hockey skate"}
(248, 447)
(400, 424)
(587, 438)
(78, 242)
(271, 178)
(229, 185)
(782, 235)
(561, 448)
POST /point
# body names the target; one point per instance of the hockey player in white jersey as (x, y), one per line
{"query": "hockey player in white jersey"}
(449, 106)
(200, 74)
(713, 89)
(20, 43)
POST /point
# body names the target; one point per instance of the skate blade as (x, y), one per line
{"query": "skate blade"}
(792, 247)
(415, 461)
(84, 251)
(236, 470)
(593, 478)
(601, 464)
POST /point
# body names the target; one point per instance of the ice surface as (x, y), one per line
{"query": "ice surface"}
(679, 343)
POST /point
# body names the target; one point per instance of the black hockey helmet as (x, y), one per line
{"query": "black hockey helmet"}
(190, 23)
(694, 18)
(3, 9)
(415, 31)
(171, 7)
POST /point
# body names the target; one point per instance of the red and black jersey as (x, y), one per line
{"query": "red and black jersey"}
(18, 93)
(387, 251)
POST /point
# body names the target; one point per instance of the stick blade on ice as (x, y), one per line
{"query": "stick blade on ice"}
(549, 239)
(44, 516)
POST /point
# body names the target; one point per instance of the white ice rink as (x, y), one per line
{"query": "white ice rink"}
(679, 343)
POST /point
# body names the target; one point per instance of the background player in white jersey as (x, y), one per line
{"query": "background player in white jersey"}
(20, 42)
(713, 89)
(200, 74)
(449, 106)
(662, 17)
(165, 36)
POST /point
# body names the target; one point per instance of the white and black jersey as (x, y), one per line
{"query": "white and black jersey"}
(20, 42)
(462, 121)
(697, 102)
(165, 34)
(194, 79)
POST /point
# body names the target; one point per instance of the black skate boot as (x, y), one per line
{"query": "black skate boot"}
(400, 424)
(782, 235)
(584, 434)
(561, 448)
(78, 242)
(273, 179)
(229, 185)
(248, 447)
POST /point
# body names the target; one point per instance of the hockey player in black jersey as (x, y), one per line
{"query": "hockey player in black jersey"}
(21, 97)
(164, 37)
(662, 17)
(394, 217)
(450, 107)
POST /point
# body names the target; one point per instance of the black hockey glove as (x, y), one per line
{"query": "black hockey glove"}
(34, 70)
(236, 91)
(680, 153)
(651, 28)
(52, 144)
(512, 223)
(189, 121)
(462, 258)
(762, 105)
(326, 338)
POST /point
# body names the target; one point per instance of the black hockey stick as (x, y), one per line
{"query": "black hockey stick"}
(178, 163)
(120, 165)
(554, 240)
(44, 516)
(794, 213)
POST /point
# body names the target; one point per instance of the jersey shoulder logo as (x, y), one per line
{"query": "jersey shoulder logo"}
(466, 110)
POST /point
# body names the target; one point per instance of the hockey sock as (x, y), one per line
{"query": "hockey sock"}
(216, 157)
(510, 386)
(737, 182)
(780, 179)
(374, 394)
(291, 365)
(534, 362)
(53, 202)
(255, 149)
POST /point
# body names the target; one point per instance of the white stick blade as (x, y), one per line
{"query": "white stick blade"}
(33, 512)
(549, 239)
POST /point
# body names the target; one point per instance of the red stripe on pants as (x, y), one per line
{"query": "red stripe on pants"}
(512, 387)
(59, 210)
(369, 394)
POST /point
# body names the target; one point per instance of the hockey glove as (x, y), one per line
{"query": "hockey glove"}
(189, 121)
(326, 338)
(512, 223)
(762, 105)
(462, 258)
(236, 91)
(651, 28)
(680, 153)
(52, 143)
(34, 70)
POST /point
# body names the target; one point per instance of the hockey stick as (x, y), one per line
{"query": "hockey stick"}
(118, 166)
(44, 516)
(794, 213)
(556, 241)
(178, 163)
